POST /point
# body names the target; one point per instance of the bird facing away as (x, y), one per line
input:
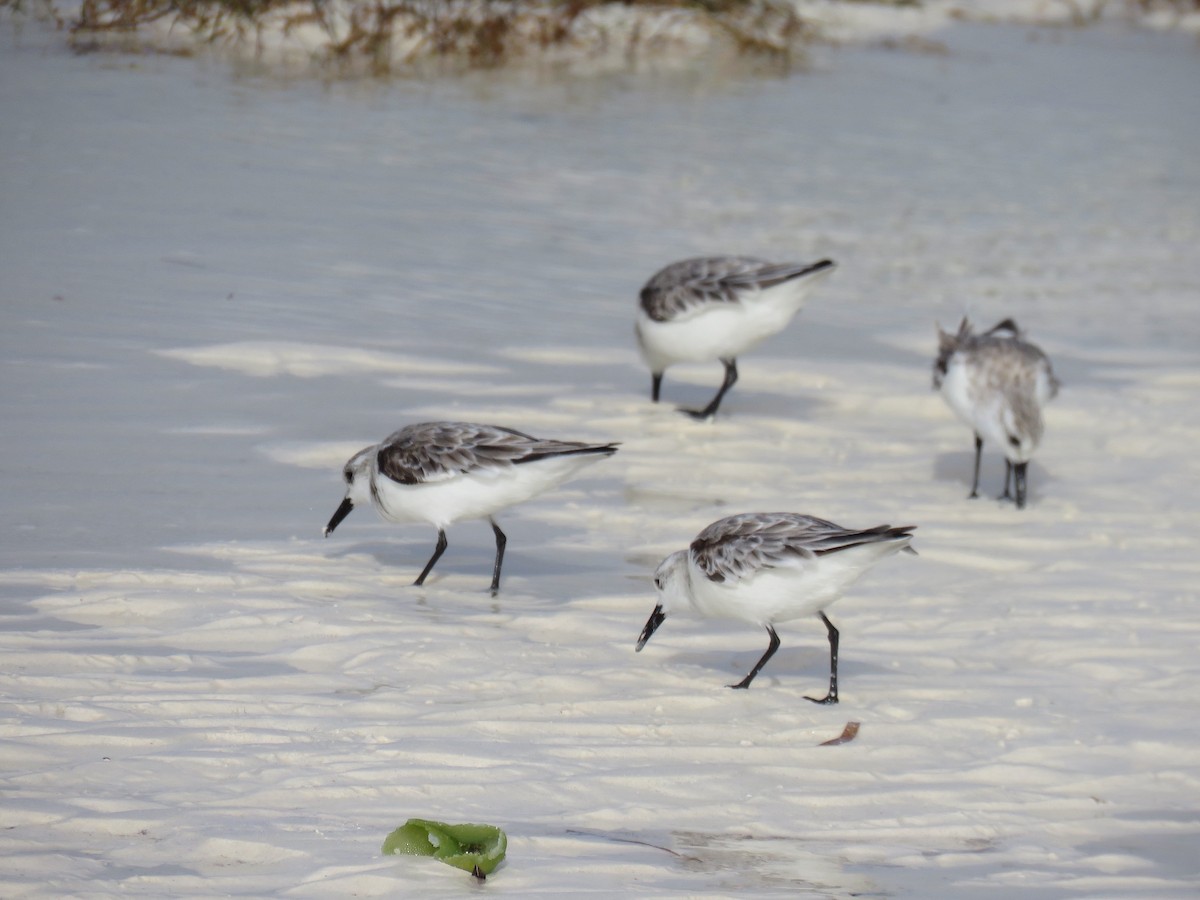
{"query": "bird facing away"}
(997, 383)
(441, 472)
(716, 307)
(764, 568)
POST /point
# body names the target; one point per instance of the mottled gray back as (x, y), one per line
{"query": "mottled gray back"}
(714, 279)
(738, 546)
(435, 450)
(1001, 356)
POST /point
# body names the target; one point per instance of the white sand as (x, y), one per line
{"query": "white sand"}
(215, 289)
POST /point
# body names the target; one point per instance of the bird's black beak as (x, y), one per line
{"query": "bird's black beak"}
(656, 619)
(342, 512)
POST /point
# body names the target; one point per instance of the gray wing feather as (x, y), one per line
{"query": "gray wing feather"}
(1004, 359)
(435, 451)
(693, 282)
(738, 546)
(1009, 363)
(703, 280)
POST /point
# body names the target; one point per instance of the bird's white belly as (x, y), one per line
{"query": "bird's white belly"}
(783, 593)
(724, 330)
(474, 495)
(956, 389)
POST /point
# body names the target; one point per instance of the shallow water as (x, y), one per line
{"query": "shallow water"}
(158, 203)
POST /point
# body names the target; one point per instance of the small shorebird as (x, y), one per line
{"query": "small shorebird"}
(996, 382)
(764, 568)
(441, 472)
(716, 307)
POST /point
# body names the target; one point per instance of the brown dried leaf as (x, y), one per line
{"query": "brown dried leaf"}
(848, 734)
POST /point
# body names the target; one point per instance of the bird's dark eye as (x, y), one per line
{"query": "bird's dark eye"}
(658, 583)
(349, 476)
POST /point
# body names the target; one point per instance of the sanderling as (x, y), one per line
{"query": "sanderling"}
(441, 472)
(764, 568)
(716, 307)
(996, 382)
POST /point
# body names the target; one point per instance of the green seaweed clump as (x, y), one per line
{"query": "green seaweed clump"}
(477, 849)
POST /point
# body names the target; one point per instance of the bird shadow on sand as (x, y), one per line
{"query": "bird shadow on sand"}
(958, 467)
(743, 402)
(800, 667)
(473, 559)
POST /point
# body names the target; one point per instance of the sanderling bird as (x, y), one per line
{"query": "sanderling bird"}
(997, 382)
(764, 568)
(441, 472)
(716, 307)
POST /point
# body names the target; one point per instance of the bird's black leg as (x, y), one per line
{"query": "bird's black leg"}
(442, 543)
(731, 377)
(1019, 483)
(655, 385)
(978, 454)
(771, 648)
(1008, 477)
(501, 541)
(831, 697)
